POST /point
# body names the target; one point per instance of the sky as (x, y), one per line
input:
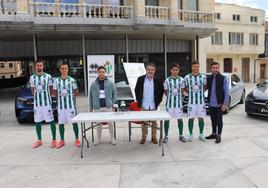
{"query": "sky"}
(263, 4)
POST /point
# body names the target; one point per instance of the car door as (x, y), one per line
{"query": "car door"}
(236, 89)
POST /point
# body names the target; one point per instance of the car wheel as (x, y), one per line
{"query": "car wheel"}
(20, 121)
(242, 100)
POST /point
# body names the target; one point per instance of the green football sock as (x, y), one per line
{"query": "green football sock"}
(180, 127)
(62, 130)
(201, 126)
(38, 128)
(53, 130)
(166, 127)
(191, 125)
(75, 128)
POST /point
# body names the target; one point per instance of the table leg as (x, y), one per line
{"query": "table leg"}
(161, 137)
(114, 131)
(82, 136)
(92, 132)
(85, 134)
(129, 131)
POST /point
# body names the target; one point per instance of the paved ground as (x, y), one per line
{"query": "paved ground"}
(240, 161)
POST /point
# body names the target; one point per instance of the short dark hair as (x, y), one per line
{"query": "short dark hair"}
(195, 62)
(101, 67)
(214, 63)
(150, 64)
(64, 63)
(39, 61)
(176, 65)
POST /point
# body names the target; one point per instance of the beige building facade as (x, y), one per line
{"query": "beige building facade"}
(237, 43)
(159, 31)
(11, 69)
(263, 59)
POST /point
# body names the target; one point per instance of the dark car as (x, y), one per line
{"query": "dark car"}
(236, 92)
(257, 100)
(24, 105)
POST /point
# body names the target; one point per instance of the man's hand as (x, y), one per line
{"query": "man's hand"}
(224, 107)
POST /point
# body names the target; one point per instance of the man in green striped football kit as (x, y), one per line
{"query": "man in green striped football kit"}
(65, 88)
(41, 86)
(195, 84)
(174, 88)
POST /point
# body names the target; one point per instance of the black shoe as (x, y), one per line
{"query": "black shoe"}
(212, 136)
(218, 139)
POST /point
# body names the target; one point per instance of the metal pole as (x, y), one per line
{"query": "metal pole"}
(197, 47)
(165, 53)
(35, 47)
(84, 63)
(254, 77)
(126, 43)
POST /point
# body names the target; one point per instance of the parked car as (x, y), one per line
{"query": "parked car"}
(24, 105)
(236, 92)
(257, 100)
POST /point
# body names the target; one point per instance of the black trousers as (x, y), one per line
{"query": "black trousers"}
(216, 119)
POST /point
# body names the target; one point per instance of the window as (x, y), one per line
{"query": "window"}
(236, 17)
(180, 4)
(209, 62)
(191, 5)
(236, 38)
(217, 16)
(254, 19)
(115, 2)
(2, 65)
(3, 77)
(216, 38)
(253, 39)
(11, 76)
(95, 2)
(10, 65)
(69, 1)
(151, 2)
(235, 79)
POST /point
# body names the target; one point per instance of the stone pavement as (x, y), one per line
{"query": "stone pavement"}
(240, 161)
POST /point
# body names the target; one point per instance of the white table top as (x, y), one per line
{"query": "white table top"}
(121, 116)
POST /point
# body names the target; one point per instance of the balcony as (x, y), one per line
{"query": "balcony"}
(8, 7)
(80, 10)
(69, 16)
(188, 16)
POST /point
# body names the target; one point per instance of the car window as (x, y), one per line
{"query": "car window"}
(235, 78)
(264, 84)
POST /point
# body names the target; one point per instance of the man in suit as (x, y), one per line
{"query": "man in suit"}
(149, 93)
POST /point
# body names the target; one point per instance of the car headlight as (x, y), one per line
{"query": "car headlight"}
(21, 100)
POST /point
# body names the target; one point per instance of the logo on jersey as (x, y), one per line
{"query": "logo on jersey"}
(64, 91)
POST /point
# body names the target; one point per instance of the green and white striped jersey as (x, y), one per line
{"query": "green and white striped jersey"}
(195, 85)
(41, 86)
(65, 90)
(174, 87)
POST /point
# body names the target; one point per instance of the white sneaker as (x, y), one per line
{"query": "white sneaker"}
(113, 141)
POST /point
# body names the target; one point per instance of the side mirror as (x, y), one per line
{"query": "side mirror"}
(234, 83)
(258, 84)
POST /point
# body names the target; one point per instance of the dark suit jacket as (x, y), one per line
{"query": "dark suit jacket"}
(158, 90)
